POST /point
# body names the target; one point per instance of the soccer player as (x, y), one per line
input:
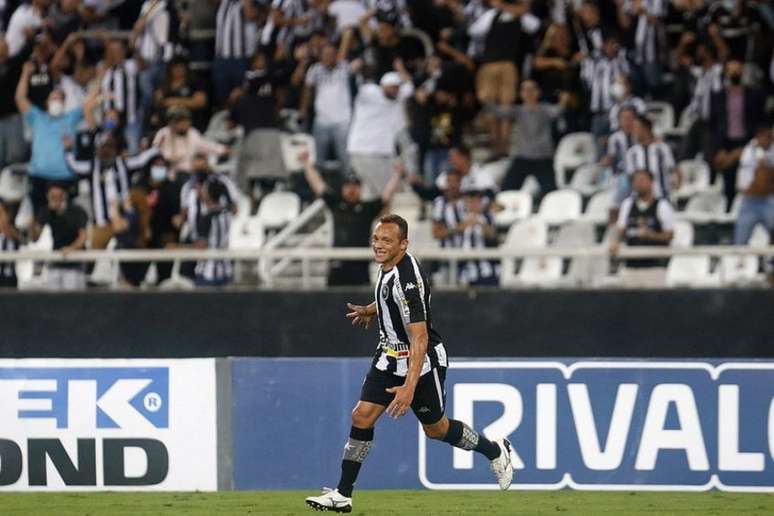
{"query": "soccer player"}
(408, 370)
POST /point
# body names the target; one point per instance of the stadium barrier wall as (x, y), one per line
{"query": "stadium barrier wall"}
(116, 425)
(477, 323)
(588, 425)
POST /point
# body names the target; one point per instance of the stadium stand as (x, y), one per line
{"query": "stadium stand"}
(253, 86)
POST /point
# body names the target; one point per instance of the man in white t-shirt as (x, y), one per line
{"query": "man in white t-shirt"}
(328, 82)
(755, 181)
(24, 22)
(380, 114)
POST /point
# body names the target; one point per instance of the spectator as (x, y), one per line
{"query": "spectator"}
(235, 41)
(709, 81)
(352, 219)
(180, 89)
(163, 197)
(64, 19)
(120, 91)
(151, 38)
(385, 45)
(288, 21)
(378, 117)
(600, 73)
(9, 241)
(108, 175)
(68, 230)
(41, 80)
(650, 40)
(474, 178)
(48, 129)
(736, 111)
(554, 68)
(256, 110)
(618, 146)
(129, 220)
(655, 156)
(76, 86)
(506, 26)
(191, 206)
(24, 23)
(590, 33)
(179, 141)
(534, 140)
(624, 98)
(644, 220)
(328, 83)
(478, 232)
(448, 212)
(13, 149)
(212, 230)
(755, 181)
(75, 67)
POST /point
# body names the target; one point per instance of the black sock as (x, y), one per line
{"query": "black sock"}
(355, 452)
(462, 436)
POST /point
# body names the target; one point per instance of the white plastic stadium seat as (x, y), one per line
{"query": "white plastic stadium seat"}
(662, 114)
(588, 179)
(534, 271)
(574, 150)
(292, 146)
(690, 271)
(683, 234)
(598, 208)
(13, 182)
(696, 178)
(738, 269)
(25, 269)
(246, 233)
(704, 207)
(531, 186)
(497, 169)
(580, 234)
(517, 205)
(560, 206)
(733, 213)
(278, 209)
(25, 215)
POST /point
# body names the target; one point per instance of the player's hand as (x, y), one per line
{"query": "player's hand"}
(404, 395)
(359, 315)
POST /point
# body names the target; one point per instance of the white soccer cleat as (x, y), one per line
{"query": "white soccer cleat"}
(501, 466)
(330, 500)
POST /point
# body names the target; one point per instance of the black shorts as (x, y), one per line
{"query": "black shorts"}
(429, 396)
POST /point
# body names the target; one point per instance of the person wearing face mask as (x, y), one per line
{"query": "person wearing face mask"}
(108, 174)
(644, 220)
(624, 99)
(179, 141)
(48, 130)
(379, 116)
(735, 112)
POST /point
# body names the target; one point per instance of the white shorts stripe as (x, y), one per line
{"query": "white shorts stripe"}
(438, 388)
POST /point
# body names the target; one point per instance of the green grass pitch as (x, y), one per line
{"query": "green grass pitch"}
(400, 503)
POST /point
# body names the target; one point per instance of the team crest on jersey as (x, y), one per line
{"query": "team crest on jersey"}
(385, 292)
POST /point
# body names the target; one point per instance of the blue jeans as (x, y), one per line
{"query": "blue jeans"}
(149, 79)
(227, 74)
(332, 137)
(600, 129)
(133, 134)
(436, 161)
(754, 210)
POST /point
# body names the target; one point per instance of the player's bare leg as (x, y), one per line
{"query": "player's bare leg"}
(460, 435)
(361, 435)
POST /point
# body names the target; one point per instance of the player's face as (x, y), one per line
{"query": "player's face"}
(386, 243)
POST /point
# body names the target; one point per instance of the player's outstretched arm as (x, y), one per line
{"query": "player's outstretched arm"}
(361, 315)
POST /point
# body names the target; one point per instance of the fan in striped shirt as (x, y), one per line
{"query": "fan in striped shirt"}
(409, 368)
(213, 230)
(655, 156)
(618, 145)
(9, 241)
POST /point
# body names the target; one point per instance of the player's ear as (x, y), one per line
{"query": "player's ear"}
(404, 244)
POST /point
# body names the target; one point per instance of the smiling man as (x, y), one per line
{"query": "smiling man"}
(408, 371)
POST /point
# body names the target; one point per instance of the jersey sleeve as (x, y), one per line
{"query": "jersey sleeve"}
(413, 287)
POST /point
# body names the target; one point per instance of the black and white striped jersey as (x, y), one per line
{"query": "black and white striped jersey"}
(618, 145)
(450, 214)
(121, 91)
(599, 74)
(650, 36)
(193, 205)
(235, 36)
(472, 271)
(403, 297)
(109, 182)
(214, 227)
(153, 43)
(8, 269)
(708, 81)
(657, 158)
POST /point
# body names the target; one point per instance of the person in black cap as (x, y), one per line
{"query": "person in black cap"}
(352, 218)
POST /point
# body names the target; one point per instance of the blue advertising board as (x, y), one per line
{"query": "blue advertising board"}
(605, 425)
